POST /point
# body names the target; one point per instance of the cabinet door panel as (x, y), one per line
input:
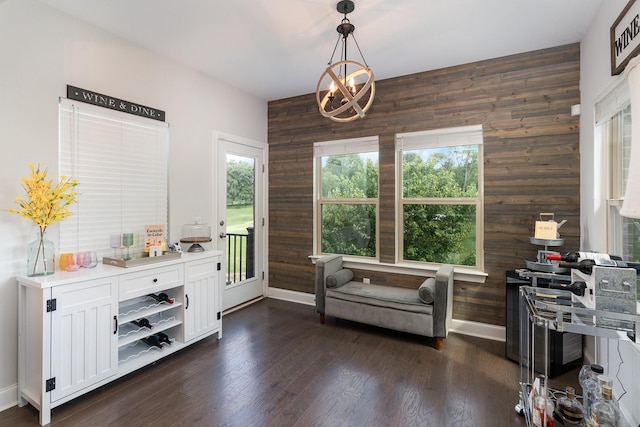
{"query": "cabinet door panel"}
(84, 348)
(201, 299)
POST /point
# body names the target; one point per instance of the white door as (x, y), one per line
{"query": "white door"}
(241, 217)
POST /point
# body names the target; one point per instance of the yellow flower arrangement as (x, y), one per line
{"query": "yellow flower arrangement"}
(45, 204)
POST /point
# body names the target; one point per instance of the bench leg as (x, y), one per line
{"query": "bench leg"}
(439, 343)
(322, 318)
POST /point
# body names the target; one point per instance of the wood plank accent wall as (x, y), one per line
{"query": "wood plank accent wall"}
(531, 162)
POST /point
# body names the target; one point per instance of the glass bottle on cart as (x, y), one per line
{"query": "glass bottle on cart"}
(605, 413)
(569, 409)
(590, 386)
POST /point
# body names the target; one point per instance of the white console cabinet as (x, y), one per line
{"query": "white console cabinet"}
(80, 330)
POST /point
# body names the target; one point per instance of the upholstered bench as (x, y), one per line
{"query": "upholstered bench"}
(425, 311)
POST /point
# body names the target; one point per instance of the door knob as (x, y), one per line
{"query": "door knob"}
(223, 234)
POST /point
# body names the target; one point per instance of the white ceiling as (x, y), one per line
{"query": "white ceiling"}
(276, 49)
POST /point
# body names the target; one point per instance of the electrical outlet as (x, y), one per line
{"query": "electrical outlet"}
(366, 280)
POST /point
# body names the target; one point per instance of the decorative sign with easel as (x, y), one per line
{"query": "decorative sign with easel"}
(155, 238)
(625, 43)
(107, 101)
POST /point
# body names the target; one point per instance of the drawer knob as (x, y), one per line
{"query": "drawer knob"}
(155, 280)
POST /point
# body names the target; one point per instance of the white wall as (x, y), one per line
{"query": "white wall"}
(595, 80)
(43, 50)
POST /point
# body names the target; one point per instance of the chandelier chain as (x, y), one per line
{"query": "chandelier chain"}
(334, 51)
(358, 46)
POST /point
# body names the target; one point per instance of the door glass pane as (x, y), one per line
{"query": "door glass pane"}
(240, 243)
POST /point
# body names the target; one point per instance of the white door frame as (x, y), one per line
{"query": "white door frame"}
(218, 177)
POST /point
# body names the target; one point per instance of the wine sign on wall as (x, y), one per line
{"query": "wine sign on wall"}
(107, 101)
(625, 42)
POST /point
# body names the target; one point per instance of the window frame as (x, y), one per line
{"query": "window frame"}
(440, 138)
(610, 114)
(367, 144)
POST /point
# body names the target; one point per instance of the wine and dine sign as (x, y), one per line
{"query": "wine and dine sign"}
(107, 101)
(625, 39)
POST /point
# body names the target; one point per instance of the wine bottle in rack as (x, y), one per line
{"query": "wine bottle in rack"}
(153, 341)
(579, 256)
(164, 338)
(568, 257)
(586, 265)
(142, 323)
(162, 297)
(577, 287)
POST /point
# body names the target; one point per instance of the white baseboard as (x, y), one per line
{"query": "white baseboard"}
(8, 397)
(292, 296)
(464, 327)
(477, 329)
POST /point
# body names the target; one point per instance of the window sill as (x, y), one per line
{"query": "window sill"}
(460, 273)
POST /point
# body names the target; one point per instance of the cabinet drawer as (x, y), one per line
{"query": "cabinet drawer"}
(201, 268)
(146, 282)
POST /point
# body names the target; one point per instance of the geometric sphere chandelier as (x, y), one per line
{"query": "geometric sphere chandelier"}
(346, 89)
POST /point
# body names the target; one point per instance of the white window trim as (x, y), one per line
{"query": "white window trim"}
(609, 103)
(612, 101)
(414, 269)
(368, 144)
(439, 138)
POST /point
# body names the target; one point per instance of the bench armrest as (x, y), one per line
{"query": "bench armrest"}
(443, 301)
(325, 266)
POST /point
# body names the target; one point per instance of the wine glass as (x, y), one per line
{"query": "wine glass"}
(87, 259)
(115, 241)
(93, 260)
(82, 258)
(65, 260)
(127, 241)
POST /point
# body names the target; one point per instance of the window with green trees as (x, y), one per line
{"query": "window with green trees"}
(440, 174)
(439, 197)
(347, 197)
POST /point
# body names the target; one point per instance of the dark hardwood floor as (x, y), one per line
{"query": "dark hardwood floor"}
(276, 365)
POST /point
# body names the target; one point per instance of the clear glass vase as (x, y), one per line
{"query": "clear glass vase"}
(40, 256)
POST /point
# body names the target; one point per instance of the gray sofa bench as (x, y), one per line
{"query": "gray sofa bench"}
(425, 311)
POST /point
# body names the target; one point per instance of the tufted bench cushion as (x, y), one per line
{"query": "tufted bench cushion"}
(381, 296)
